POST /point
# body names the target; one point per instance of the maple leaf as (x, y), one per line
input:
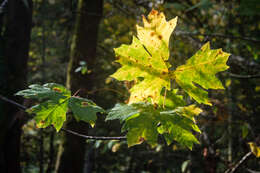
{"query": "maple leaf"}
(143, 122)
(84, 109)
(146, 58)
(56, 101)
(50, 113)
(201, 69)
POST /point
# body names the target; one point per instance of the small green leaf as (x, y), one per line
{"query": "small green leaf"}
(84, 109)
(50, 113)
(53, 110)
(57, 101)
(201, 69)
(245, 130)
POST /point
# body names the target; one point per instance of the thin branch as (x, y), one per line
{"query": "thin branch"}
(243, 76)
(218, 35)
(76, 92)
(124, 11)
(252, 171)
(68, 131)
(239, 163)
(3, 7)
(94, 137)
(107, 89)
(13, 102)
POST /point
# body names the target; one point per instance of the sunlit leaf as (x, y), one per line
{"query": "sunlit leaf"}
(146, 58)
(50, 113)
(56, 100)
(254, 149)
(201, 69)
(144, 122)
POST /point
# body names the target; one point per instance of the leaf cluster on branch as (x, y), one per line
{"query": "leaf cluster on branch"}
(155, 106)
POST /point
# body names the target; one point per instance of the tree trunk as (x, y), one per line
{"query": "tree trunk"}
(15, 40)
(83, 48)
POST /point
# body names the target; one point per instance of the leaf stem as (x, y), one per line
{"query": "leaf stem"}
(232, 170)
(165, 92)
(76, 92)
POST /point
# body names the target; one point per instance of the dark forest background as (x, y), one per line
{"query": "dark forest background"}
(71, 42)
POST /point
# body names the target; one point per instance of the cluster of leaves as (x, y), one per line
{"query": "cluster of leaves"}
(144, 122)
(154, 106)
(150, 110)
(55, 101)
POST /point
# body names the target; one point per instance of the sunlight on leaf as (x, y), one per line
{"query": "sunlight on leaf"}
(201, 69)
(146, 58)
(56, 101)
(254, 149)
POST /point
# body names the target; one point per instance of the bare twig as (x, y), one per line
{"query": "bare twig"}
(13, 102)
(76, 92)
(243, 76)
(252, 171)
(107, 89)
(232, 170)
(3, 7)
(94, 137)
(218, 35)
(66, 130)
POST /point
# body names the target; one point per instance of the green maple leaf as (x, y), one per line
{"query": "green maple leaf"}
(84, 109)
(143, 122)
(201, 69)
(139, 120)
(50, 113)
(141, 128)
(56, 100)
(147, 58)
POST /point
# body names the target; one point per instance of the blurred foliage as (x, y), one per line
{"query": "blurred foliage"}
(227, 127)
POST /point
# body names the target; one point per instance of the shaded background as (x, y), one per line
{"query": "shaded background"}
(71, 43)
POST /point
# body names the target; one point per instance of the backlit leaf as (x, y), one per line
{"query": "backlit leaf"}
(144, 122)
(56, 100)
(146, 58)
(50, 113)
(84, 109)
(254, 149)
(201, 69)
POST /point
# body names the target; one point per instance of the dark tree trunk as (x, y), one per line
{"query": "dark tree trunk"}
(15, 40)
(83, 48)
